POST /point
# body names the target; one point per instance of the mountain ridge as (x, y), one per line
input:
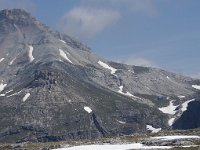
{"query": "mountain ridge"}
(48, 79)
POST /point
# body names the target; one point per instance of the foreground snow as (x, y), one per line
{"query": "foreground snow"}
(176, 137)
(104, 65)
(133, 145)
(115, 147)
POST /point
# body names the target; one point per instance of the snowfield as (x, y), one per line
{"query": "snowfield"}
(127, 93)
(115, 147)
(26, 97)
(196, 87)
(2, 59)
(104, 65)
(181, 96)
(133, 146)
(30, 53)
(88, 109)
(62, 54)
(185, 105)
(62, 41)
(171, 121)
(176, 137)
(152, 129)
(12, 61)
(170, 109)
(2, 86)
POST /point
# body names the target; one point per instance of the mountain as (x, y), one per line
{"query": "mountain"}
(54, 88)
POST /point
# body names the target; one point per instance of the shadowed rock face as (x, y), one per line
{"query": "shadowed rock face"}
(190, 118)
(48, 79)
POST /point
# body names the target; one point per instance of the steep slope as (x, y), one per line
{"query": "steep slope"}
(54, 88)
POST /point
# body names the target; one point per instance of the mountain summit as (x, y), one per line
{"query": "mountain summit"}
(53, 87)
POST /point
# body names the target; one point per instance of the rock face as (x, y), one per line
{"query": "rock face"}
(189, 119)
(54, 88)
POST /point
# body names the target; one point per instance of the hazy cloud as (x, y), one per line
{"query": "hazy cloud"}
(87, 22)
(27, 5)
(140, 62)
(195, 75)
(90, 17)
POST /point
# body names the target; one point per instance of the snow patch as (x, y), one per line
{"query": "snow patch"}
(114, 147)
(171, 121)
(30, 53)
(14, 94)
(181, 96)
(12, 61)
(26, 97)
(9, 91)
(170, 109)
(2, 59)
(62, 41)
(2, 86)
(88, 109)
(185, 105)
(131, 71)
(122, 122)
(196, 87)
(168, 77)
(2, 94)
(62, 53)
(152, 129)
(175, 137)
(127, 93)
(104, 65)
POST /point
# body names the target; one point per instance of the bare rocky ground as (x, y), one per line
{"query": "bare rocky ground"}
(145, 139)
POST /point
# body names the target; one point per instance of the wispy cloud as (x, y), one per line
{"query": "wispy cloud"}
(27, 5)
(87, 22)
(140, 62)
(91, 17)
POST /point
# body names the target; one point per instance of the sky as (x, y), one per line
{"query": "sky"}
(156, 33)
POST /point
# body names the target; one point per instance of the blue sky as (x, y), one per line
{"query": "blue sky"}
(159, 33)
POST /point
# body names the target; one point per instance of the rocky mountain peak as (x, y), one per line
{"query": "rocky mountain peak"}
(16, 16)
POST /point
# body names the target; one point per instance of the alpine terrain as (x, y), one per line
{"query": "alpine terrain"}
(52, 88)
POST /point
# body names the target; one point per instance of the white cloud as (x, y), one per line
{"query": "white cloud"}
(27, 5)
(87, 22)
(90, 17)
(140, 62)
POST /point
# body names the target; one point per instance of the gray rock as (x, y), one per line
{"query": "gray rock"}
(58, 90)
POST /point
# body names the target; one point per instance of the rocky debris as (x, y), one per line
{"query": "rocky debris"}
(167, 143)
